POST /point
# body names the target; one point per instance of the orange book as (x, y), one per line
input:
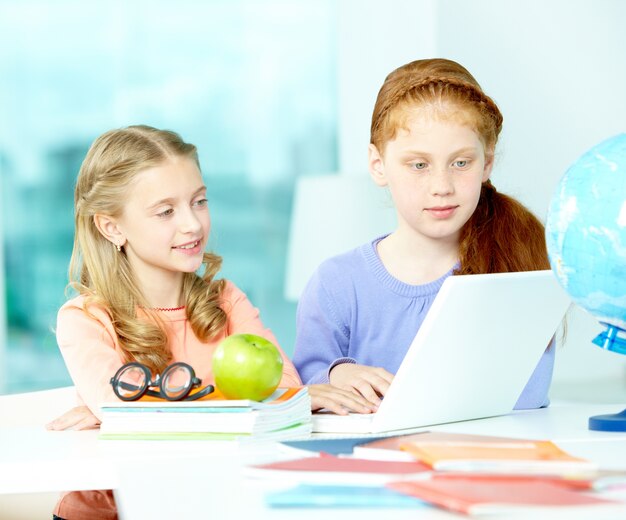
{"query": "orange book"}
(390, 448)
(477, 496)
(498, 457)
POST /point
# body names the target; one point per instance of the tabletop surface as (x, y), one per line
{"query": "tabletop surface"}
(206, 475)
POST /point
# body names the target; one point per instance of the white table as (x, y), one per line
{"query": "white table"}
(202, 479)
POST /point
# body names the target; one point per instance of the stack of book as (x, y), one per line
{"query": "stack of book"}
(470, 474)
(286, 414)
(479, 475)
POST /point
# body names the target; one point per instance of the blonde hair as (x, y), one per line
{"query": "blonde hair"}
(501, 235)
(103, 275)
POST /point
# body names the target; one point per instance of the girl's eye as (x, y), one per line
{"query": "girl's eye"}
(419, 165)
(460, 164)
(165, 213)
(201, 202)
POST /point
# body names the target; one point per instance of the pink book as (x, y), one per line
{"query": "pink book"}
(500, 495)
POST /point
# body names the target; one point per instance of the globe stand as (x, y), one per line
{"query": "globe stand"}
(610, 339)
(615, 422)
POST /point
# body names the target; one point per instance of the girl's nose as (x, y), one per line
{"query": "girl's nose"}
(441, 182)
(189, 222)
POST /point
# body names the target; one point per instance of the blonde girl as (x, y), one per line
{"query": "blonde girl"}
(142, 225)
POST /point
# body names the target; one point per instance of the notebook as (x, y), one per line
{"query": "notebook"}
(473, 355)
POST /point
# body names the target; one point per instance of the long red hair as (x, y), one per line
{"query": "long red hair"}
(502, 235)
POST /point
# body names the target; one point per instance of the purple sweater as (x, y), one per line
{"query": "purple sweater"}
(354, 311)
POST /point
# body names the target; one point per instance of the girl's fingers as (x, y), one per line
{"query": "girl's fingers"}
(61, 423)
(380, 385)
(88, 423)
(338, 400)
(54, 425)
(328, 404)
(368, 392)
(383, 374)
(78, 418)
(357, 403)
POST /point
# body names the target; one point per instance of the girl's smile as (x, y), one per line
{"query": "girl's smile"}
(191, 248)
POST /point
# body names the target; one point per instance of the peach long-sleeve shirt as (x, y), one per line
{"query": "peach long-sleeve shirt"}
(92, 354)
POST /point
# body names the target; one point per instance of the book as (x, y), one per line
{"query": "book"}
(291, 432)
(333, 446)
(515, 457)
(216, 400)
(329, 468)
(286, 414)
(323, 495)
(500, 495)
(576, 482)
(479, 454)
(602, 480)
(390, 448)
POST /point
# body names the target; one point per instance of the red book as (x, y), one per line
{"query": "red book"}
(328, 468)
(501, 495)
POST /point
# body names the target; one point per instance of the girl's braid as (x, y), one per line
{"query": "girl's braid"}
(398, 90)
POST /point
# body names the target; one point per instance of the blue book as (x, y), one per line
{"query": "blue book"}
(309, 495)
(338, 446)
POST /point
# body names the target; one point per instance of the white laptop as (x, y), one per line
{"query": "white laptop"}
(471, 358)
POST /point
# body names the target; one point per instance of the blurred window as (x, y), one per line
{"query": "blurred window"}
(251, 83)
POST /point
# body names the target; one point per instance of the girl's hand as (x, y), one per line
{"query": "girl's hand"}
(78, 418)
(339, 401)
(370, 382)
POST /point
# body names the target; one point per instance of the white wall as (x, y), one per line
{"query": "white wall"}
(375, 37)
(557, 70)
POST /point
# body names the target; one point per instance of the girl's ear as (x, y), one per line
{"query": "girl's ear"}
(488, 166)
(376, 165)
(109, 229)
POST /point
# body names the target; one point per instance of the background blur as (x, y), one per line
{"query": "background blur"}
(275, 93)
(252, 84)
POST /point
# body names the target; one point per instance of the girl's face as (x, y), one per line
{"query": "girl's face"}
(165, 223)
(434, 170)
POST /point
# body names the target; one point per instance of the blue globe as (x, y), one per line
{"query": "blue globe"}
(586, 237)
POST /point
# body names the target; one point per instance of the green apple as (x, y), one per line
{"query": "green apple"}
(247, 366)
